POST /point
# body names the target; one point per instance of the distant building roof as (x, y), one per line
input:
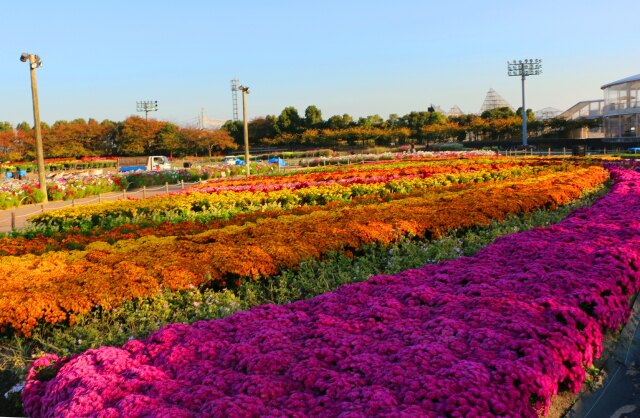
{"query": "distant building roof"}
(584, 109)
(547, 113)
(455, 111)
(624, 80)
(493, 101)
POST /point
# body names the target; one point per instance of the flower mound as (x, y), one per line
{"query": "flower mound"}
(493, 334)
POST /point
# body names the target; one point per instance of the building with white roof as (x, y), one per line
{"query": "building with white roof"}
(621, 110)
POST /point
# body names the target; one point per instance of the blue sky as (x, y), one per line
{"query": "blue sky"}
(356, 57)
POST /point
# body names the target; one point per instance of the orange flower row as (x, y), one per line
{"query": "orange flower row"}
(58, 285)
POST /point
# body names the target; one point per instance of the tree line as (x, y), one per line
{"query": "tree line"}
(137, 136)
(291, 129)
(133, 136)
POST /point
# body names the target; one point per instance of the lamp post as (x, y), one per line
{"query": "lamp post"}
(245, 91)
(35, 62)
(523, 69)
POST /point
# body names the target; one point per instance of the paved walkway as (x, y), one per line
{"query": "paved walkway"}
(17, 217)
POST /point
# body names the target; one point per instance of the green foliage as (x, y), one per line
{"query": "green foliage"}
(289, 120)
(313, 117)
(497, 113)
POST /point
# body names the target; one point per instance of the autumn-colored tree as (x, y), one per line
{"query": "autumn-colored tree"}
(206, 139)
(218, 140)
(168, 139)
(138, 136)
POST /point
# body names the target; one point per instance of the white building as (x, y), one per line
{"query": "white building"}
(621, 110)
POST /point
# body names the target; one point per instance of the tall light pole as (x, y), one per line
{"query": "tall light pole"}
(523, 69)
(245, 91)
(35, 62)
(146, 107)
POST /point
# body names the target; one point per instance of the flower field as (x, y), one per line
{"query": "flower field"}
(57, 285)
(223, 199)
(497, 333)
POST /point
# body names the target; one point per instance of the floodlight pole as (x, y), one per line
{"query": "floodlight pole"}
(524, 109)
(245, 91)
(523, 69)
(146, 107)
(35, 62)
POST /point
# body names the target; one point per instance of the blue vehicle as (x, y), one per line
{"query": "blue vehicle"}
(634, 150)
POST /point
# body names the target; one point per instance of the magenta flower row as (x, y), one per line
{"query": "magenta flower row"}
(493, 334)
(295, 185)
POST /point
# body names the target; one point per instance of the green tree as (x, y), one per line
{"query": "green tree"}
(336, 122)
(6, 127)
(313, 117)
(235, 129)
(530, 114)
(24, 127)
(497, 113)
(289, 120)
(416, 121)
(370, 121)
(261, 129)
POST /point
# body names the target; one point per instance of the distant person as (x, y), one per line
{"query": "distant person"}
(412, 149)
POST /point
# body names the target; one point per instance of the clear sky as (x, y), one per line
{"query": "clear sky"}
(360, 57)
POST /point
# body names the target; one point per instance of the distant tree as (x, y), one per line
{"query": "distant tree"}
(313, 117)
(289, 120)
(530, 114)
(416, 121)
(394, 120)
(6, 127)
(235, 129)
(23, 126)
(209, 140)
(339, 122)
(370, 121)
(168, 139)
(218, 140)
(137, 136)
(497, 113)
(261, 129)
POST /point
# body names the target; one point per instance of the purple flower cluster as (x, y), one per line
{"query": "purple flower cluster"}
(493, 334)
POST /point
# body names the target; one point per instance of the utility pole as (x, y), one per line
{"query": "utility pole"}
(245, 91)
(35, 62)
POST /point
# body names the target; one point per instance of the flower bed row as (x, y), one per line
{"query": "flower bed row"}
(358, 158)
(14, 194)
(377, 174)
(75, 238)
(222, 204)
(495, 334)
(56, 286)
